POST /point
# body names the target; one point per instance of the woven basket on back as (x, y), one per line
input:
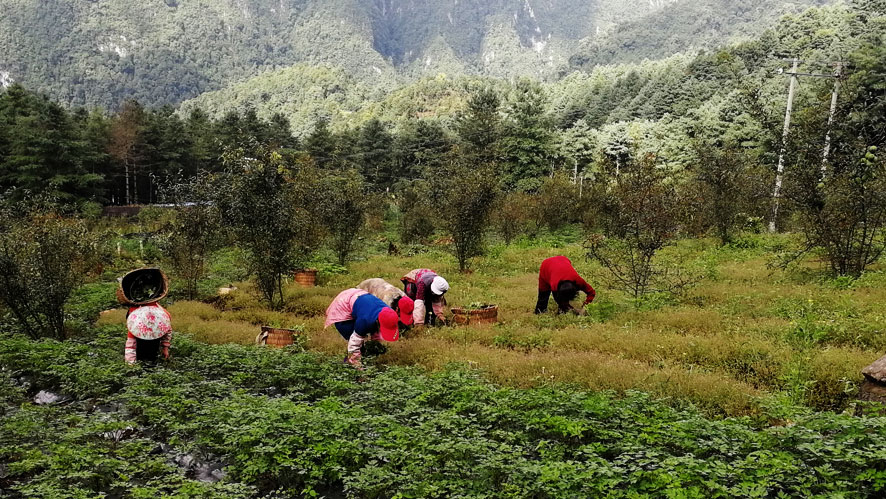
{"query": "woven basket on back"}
(143, 286)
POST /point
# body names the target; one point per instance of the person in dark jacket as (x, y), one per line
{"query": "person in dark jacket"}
(557, 276)
(426, 288)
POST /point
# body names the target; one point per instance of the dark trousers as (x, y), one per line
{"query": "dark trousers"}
(345, 329)
(541, 306)
(147, 350)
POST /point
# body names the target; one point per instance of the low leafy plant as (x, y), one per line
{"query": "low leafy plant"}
(600, 310)
(509, 341)
(283, 423)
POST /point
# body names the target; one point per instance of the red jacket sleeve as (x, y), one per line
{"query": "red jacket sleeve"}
(584, 286)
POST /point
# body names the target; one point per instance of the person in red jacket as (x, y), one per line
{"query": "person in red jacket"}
(558, 276)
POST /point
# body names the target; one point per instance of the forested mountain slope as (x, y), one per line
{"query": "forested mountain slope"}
(101, 52)
(687, 25)
(605, 94)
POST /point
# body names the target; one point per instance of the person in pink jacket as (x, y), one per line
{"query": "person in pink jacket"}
(358, 315)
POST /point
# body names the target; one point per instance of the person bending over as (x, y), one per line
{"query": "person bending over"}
(357, 315)
(557, 276)
(392, 296)
(425, 286)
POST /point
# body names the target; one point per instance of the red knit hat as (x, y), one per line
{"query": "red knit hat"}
(388, 324)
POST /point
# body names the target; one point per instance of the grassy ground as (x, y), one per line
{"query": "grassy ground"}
(746, 337)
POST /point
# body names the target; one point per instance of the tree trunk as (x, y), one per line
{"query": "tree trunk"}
(126, 168)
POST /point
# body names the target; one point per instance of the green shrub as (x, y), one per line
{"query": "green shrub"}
(601, 310)
(44, 257)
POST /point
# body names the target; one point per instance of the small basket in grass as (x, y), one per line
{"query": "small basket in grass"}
(279, 337)
(475, 314)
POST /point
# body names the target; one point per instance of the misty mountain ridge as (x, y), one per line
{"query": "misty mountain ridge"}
(102, 52)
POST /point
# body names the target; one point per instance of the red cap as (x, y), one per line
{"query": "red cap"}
(406, 306)
(388, 324)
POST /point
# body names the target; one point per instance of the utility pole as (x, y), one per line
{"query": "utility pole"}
(779, 172)
(827, 138)
(575, 172)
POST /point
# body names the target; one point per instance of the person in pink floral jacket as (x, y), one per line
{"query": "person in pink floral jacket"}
(148, 325)
(149, 333)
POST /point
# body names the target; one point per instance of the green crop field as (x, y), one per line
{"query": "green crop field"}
(733, 390)
(229, 421)
(743, 386)
(744, 338)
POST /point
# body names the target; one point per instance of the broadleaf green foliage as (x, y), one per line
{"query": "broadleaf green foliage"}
(44, 258)
(840, 201)
(463, 193)
(342, 207)
(293, 423)
(194, 230)
(640, 211)
(265, 209)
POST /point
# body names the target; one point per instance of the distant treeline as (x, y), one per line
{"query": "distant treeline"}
(85, 155)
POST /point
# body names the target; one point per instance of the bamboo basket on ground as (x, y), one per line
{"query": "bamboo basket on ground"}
(306, 277)
(486, 314)
(275, 337)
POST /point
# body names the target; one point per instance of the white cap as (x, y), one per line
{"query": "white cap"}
(439, 286)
